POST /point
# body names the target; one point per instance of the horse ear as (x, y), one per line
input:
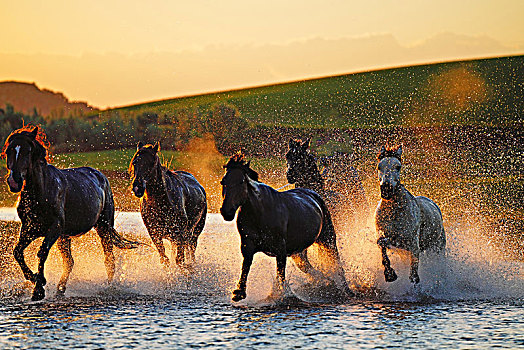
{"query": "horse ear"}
(382, 153)
(398, 152)
(305, 144)
(156, 147)
(139, 145)
(34, 133)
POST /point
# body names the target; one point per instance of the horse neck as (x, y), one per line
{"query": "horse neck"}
(401, 197)
(257, 197)
(311, 177)
(157, 185)
(35, 181)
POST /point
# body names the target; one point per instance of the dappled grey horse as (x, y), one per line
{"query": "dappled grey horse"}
(403, 220)
(57, 204)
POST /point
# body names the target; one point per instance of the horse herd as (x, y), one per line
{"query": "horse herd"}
(58, 204)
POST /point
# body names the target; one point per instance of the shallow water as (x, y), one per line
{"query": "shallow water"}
(472, 298)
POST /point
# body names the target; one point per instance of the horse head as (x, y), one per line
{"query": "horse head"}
(143, 166)
(23, 149)
(235, 185)
(298, 159)
(389, 165)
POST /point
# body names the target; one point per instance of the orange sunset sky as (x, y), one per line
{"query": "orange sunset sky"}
(115, 52)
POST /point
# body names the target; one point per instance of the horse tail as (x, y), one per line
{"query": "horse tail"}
(121, 242)
(106, 221)
(327, 236)
(327, 240)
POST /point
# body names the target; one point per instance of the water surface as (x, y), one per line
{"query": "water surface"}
(472, 298)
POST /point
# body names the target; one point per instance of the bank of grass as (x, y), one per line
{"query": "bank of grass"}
(490, 93)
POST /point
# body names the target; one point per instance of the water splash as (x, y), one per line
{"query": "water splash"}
(471, 270)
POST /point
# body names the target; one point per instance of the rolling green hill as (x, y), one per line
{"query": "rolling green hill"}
(477, 92)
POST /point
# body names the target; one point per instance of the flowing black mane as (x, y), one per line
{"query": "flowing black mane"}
(237, 161)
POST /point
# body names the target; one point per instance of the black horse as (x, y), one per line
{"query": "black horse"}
(174, 206)
(57, 204)
(279, 224)
(343, 192)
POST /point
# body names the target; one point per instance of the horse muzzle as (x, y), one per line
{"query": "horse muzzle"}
(227, 215)
(15, 185)
(291, 178)
(139, 189)
(387, 191)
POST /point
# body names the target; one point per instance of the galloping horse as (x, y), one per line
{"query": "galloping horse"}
(174, 206)
(57, 204)
(279, 224)
(403, 220)
(345, 198)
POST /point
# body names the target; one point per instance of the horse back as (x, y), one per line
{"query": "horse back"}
(305, 218)
(86, 193)
(78, 194)
(186, 193)
(432, 234)
(182, 183)
(290, 219)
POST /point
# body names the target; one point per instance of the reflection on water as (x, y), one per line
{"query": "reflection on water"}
(471, 298)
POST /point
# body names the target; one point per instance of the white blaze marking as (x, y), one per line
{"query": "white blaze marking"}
(17, 149)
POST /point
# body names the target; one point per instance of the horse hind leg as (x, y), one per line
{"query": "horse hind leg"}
(107, 246)
(64, 246)
(302, 262)
(413, 274)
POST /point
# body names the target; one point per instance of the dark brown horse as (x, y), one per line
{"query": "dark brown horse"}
(174, 206)
(343, 193)
(279, 224)
(57, 204)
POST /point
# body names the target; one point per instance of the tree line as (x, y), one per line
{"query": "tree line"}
(115, 130)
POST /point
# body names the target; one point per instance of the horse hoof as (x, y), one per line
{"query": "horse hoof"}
(390, 275)
(60, 292)
(414, 279)
(164, 261)
(38, 294)
(238, 295)
(383, 242)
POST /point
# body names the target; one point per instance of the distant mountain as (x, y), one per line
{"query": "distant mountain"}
(25, 97)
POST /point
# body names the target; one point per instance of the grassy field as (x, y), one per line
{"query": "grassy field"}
(474, 92)
(473, 175)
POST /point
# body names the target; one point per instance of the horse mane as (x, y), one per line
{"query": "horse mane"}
(390, 151)
(130, 169)
(237, 161)
(40, 141)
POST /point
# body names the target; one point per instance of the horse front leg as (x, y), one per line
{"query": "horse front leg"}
(240, 292)
(389, 273)
(64, 245)
(50, 239)
(156, 237)
(23, 242)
